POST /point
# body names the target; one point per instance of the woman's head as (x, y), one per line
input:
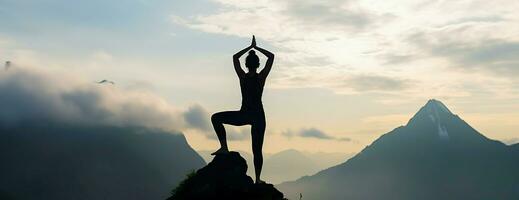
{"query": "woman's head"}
(252, 61)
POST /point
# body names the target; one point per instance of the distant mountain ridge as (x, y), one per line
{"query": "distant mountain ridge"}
(436, 155)
(62, 162)
(289, 164)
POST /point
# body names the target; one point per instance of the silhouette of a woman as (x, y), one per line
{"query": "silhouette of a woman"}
(251, 112)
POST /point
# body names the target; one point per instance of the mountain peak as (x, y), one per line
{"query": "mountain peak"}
(434, 106)
(433, 110)
(436, 114)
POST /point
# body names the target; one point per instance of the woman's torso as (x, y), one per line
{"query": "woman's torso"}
(251, 92)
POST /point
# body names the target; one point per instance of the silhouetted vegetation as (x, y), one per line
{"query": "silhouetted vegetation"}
(182, 187)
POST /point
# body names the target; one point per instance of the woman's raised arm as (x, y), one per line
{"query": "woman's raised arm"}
(236, 59)
(270, 61)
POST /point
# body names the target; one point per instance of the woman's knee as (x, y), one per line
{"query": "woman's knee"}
(257, 151)
(215, 118)
(257, 145)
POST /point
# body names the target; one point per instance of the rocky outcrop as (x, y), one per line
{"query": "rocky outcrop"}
(224, 178)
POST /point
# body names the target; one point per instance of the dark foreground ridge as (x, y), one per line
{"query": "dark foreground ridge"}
(59, 161)
(224, 178)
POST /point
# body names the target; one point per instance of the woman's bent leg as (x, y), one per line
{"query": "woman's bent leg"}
(258, 133)
(228, 117)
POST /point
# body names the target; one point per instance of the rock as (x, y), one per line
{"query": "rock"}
(224, 178)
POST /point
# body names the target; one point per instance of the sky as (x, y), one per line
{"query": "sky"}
(346, 71)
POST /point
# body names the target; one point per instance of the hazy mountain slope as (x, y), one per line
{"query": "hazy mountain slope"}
(289, 164)
(326, 160)
(80, 162)
(435, 156)
(515, 149)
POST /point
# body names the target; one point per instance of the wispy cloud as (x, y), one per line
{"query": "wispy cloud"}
(348, 83)
(313, 133)
(338, 13)
(197, 117)
(495, 56)
(232, 133)
(366, 83)
(286, 15)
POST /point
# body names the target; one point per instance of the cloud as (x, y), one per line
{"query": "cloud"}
(328, 13)
(484, 52)
(391, 59)
(31, 94)
(292, 27)
(286, 16)
(313, 133)
(344, 139)
(376, 83)
(348, 83)
(34, 95)
(232, 133)
(102, 56)
(238, 133)
(477, 19)
(358, 46)
(197, 117)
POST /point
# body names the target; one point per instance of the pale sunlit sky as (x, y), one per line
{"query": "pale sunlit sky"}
(346, 71)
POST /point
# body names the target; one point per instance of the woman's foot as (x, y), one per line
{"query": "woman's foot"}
(221, 151)
(259, 181)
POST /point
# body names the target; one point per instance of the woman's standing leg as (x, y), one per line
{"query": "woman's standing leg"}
(258, 133)
(228, 117)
